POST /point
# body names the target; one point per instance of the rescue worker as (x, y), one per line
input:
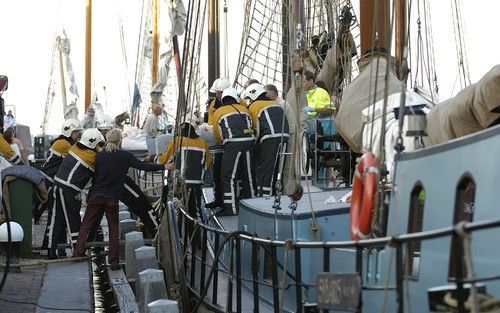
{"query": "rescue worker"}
(191, 160)
(234, 131)
(272, 135)
(111, 167)
(290, 164)
(71, 178)
(218, 86)
(58, 150)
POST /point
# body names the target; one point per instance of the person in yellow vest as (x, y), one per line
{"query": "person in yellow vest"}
(192, 157)
(71, 178)
(272, 134)
(58, 150)
(217, 88)
(234, 131)
(319, 111)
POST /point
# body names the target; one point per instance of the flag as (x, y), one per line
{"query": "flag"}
(136, 101)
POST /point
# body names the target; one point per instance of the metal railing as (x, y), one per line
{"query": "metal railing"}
(200, 239)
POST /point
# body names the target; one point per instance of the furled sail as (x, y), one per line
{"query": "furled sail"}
(475, 108)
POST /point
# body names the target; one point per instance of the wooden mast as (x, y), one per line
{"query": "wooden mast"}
(213, 41)
(61, 72)
(156, 52)
(400, 33)
(374, 23)
(88, 54)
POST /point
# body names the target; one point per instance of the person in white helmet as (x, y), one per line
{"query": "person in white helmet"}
(58, 150)
(272, 134)
(217, 88)
(71, 177)
(234, 131)
(192, 157)
(111, 168)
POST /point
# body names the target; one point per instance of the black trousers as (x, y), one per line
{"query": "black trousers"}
(237, 166)
(138, 203)
(268, 165)
(65, 205)
(217, 176)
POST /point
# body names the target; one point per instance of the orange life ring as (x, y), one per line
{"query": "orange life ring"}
(363, 196)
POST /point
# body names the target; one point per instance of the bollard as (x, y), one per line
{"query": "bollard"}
(123, 215)
(150, 286)
(133, 240)
(163, 306)
(127, 226)
(144, 258)
(122, 207)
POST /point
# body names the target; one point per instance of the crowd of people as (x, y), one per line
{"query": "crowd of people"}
(252, 130)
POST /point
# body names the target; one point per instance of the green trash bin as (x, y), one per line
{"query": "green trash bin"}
(21, 204)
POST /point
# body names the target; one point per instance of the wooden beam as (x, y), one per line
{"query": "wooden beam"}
(400, 32)
(213, 41)
(88, 55)
(374, 24)
(156, 52)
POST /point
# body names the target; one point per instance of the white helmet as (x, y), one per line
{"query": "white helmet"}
(193, 120)
(220, 84)
(230, 92)
(91, 137)
(254, 91)
(69, 126)
(16, 232)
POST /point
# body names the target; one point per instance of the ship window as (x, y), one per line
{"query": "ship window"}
(464, 211)
(415, 222)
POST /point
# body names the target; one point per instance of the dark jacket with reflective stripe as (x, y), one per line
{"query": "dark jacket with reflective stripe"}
(76, 168)
(268, 119)
(9, 153)
(193, 158)
(58, 150)
(234, 123)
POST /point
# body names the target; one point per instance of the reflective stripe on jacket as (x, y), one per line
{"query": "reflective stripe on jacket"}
(268, 119)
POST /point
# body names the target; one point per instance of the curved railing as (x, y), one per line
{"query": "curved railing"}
(214, 239)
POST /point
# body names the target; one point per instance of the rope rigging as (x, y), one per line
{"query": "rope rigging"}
(460, 42)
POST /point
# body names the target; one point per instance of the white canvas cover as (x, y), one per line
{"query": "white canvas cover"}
(359, 94)
(475, 108)
(372, 126)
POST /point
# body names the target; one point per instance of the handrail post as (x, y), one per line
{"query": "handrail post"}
(399, 274)
(459, 273)
(298, 280)
(326, 264)
(238, 275)
(203, 257)
(216, 270)
(359, 270)
(229, 300)
(274, 266)
(255, 276)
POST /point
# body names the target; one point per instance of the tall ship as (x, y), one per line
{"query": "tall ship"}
(377, 214)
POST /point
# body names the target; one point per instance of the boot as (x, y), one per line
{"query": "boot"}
(213, 205)
(52, 253)
(61, 253)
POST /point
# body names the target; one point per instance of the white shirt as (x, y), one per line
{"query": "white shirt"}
(9, 121)
(151, 125)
